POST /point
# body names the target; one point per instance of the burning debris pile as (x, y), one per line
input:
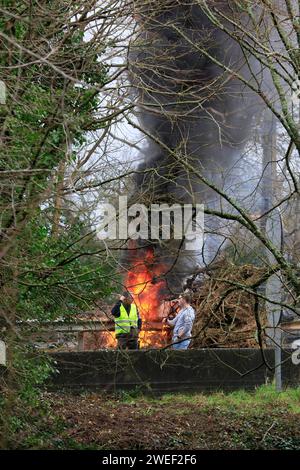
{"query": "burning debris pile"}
(225, 317)
(145, 280)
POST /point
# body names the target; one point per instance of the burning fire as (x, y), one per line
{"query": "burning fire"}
(95, 341)
(145, 282)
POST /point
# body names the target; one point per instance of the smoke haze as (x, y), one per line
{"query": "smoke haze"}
(195, 111)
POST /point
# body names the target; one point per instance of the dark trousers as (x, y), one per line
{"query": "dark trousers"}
(128, 340)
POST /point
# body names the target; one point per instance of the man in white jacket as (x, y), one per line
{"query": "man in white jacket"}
(183, 323)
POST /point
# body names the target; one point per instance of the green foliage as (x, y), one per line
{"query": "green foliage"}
(34, 368)
(53, 77)
(22, 408)
(43, 102)
(44, 105)
(60, 276)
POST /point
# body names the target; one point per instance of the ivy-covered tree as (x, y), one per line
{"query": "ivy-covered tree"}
(52, 74)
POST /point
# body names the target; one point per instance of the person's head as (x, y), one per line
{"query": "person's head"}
(127, 298)
(185, 299)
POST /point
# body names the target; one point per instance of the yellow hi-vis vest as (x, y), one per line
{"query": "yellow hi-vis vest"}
(126, 320)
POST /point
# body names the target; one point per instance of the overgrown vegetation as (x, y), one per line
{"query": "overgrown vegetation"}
(262, 419)
(162, 102)
(51, 263)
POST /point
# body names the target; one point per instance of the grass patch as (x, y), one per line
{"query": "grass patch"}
(262, 396)
(260, 419)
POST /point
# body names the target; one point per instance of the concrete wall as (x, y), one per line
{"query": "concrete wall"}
(162, 371)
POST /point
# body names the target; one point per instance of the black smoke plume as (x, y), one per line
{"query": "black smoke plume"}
(191, 109)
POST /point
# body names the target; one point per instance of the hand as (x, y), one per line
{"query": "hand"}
(164, 320)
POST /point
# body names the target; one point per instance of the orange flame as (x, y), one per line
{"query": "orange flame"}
(95, 340)
(145, 282)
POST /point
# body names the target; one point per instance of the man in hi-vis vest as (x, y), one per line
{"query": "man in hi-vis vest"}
(127, 322)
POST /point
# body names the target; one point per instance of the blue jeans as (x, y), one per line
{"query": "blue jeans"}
(182, 345)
